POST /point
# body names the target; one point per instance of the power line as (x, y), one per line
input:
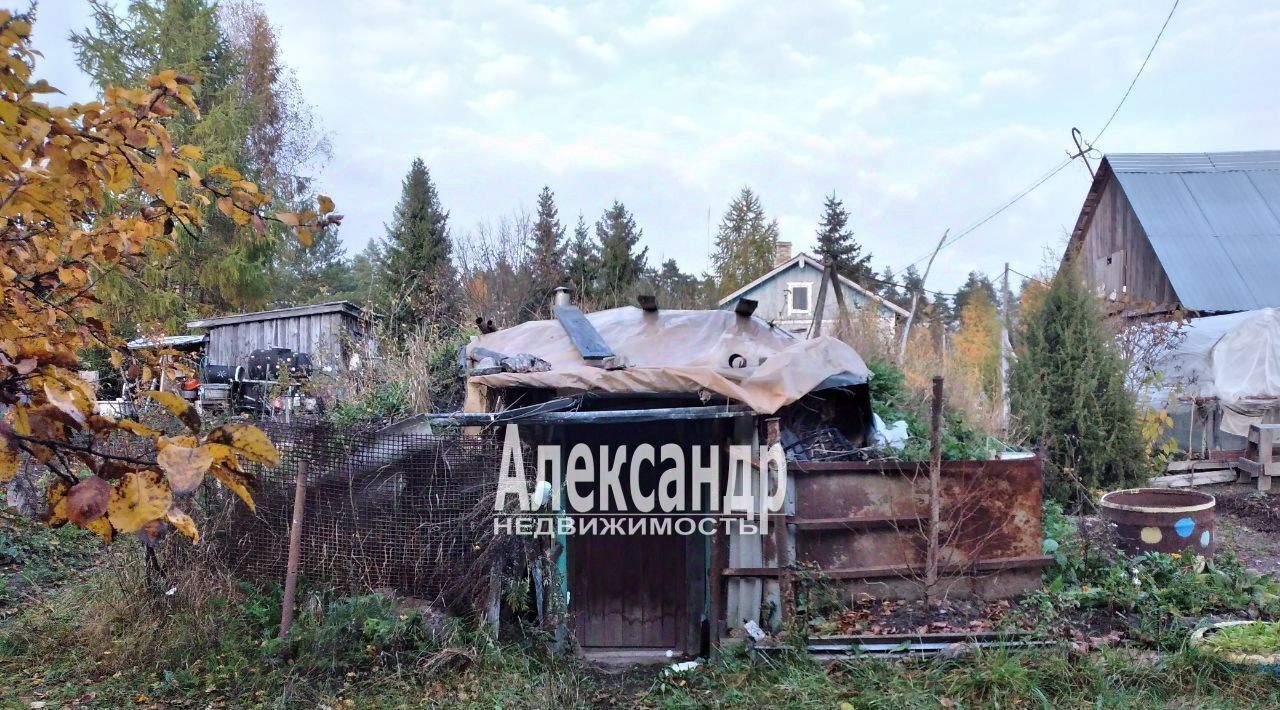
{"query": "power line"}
(1028, 276)
(1159, 34)
(1061, 166)
(994, 213)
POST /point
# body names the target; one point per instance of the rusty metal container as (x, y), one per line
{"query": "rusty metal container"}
(1161, 520)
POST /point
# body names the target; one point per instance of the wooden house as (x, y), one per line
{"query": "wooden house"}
(1191, 232)
(325, 331)
(788, 293)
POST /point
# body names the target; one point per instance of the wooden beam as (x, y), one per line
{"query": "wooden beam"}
(1195, 478)
(584, 336)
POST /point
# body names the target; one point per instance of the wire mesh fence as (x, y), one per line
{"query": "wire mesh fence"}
(408, 512)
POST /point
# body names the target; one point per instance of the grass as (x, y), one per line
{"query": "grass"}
(1260, 638)
(96, 632)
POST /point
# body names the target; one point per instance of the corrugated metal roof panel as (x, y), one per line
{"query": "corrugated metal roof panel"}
(1213, 220)
(1231, 203)
(1193, 162)
(1163, 204)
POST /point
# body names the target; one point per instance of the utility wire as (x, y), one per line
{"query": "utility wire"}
(1061, 166)
(1146, 59)
(996, 212)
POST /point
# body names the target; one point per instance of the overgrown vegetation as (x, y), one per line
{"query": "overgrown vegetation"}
(891, 400)
(1090, 574)
(1068, 398)
(1260, 638)
(213, 642)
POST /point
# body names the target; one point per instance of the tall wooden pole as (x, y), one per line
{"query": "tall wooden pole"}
(819, 305)
(935, 486)
(1006, 347)
(915, 297)
(295, 550)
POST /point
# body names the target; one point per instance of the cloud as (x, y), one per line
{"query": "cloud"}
(1004, 79)
(920, 117)
(914, 81)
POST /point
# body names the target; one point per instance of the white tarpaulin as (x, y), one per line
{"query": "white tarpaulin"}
(671, 351)
(1233, 358)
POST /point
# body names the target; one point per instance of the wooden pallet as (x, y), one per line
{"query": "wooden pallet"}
(1259, 460)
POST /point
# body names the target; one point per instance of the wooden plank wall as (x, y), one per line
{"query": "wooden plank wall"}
(1116, 233)
(320, 336)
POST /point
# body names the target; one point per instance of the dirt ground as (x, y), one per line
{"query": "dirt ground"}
(1248, 524)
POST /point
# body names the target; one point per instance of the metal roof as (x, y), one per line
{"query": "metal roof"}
(1213, 220)
(346, 307)
(169, 341)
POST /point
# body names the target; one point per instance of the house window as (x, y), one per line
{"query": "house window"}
(798, 301)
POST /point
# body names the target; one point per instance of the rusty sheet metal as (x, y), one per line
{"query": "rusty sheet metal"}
(868, 520)
(1161, 520)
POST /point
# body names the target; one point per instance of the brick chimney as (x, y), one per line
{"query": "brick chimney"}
(781, 253)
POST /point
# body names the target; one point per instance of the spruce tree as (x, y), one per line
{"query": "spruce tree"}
(544, 269)
(745, 243)
(417, 275)
(977, 285)
(583, 263)
(888, 287)
(621, 266)
(1068, 399)
(227, 269)
(312, 274)
(837, 244)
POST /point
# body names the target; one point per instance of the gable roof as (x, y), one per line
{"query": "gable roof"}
(1213, 220)
(805, 258)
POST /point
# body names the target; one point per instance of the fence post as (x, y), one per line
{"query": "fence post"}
(935, 483)
(295, 549)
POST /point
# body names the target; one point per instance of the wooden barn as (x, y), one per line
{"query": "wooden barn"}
(325, 331)
(1191, 232)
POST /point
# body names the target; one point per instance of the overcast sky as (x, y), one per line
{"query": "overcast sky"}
(920, 116)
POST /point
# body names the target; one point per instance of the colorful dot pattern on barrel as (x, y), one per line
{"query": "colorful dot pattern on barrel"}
(1151, 535)
(1205, 538)
(1184, 527)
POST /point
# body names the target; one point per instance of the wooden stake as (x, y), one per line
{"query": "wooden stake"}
(295, 550)
(935, 484)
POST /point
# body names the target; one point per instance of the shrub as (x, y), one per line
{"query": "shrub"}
(1068, 399)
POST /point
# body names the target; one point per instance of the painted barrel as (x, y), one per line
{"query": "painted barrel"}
(1161, 520)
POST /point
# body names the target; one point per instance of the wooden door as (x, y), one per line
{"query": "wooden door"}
(629, 591)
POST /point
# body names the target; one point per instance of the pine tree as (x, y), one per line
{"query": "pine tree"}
(977, 285)
(912, 283)
(621, 266)
(545, 267)
(1068, 399)
(312, 274)
(837, 244)
(745, 243)
(675, 289)
(888, 286)
(583, 263)
(418, 278)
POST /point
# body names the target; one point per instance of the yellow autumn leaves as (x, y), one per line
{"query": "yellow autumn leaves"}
(89, 189)
(128, 495)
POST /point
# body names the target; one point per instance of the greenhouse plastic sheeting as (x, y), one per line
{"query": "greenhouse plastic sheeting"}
(673, 351)
(1234, 358)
